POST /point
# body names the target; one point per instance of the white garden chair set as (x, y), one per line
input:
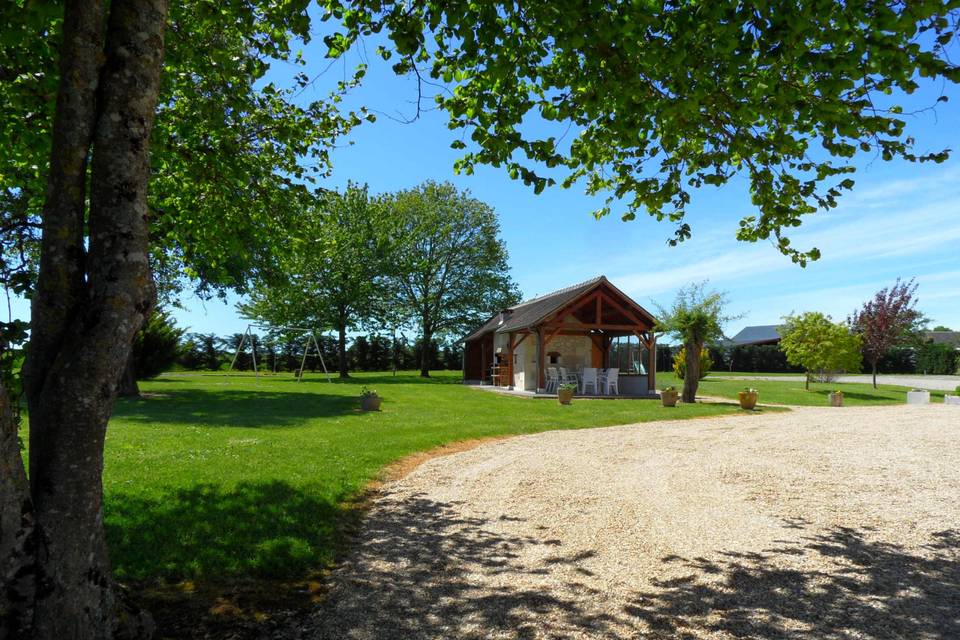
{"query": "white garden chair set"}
(599, 381)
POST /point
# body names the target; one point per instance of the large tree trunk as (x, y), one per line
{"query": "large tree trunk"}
(89, 303)
(691, 380)
(425, 354)
(874, 369)
(128, 387)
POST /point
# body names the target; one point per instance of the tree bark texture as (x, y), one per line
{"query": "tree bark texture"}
(425, 353)
(128, 387)
(691, 379)
(92, 296)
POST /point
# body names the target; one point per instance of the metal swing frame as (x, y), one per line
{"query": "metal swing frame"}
(311, 338)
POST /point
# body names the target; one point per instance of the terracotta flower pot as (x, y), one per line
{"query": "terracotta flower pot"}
(370, 403)
(836, 399)
(564, 396)
(669, 398)
(748, 399)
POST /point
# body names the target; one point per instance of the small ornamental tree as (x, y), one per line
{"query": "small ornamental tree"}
(695, 319)
(818, 344)
(888, 320)
(680, 363)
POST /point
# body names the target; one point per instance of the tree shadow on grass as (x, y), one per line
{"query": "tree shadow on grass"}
(386, 378)
(856, 395)
(255, 529)
(212, 562)
(235, 408)
(835, 585)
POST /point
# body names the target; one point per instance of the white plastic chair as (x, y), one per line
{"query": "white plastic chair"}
(553, 380)
(609, 381)
(589, 379)
(568, 377)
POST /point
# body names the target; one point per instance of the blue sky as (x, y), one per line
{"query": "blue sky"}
(901, 220)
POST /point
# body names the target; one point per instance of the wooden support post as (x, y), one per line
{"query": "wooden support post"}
(483, 359)
(652, 365)
(509, 384)
(541, 372)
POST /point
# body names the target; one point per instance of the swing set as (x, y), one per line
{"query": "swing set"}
(311, 339)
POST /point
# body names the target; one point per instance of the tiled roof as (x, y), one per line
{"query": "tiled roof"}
(943, 337)
(529, 311)
(756, 334)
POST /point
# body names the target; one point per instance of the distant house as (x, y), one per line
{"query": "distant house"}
(591, 324)
(951, 338)
(755, 335)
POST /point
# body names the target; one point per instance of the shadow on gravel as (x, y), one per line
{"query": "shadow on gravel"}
(421, 570)
(840, 586)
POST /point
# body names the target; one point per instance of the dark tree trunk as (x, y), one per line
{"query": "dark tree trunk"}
(691, 380)
(128, 387)
(874, 369)
(91, 299)
(342, 350)
(425, 353)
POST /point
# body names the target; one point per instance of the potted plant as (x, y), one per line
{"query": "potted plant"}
(748, 398)
(669, 396)
(369, 400)
(836, 398)
(565, 393)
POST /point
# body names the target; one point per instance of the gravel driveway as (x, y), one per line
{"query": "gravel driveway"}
(816, 523)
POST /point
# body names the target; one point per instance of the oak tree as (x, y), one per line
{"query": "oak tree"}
(82, 85)
(446, 264)
(331, 270)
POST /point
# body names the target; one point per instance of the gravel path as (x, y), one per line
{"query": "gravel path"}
(931, 383)
(817, 523)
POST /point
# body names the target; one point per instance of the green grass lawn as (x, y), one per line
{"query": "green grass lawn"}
(224, 477)
(793, 392)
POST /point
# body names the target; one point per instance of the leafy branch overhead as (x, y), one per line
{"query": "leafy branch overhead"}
(651, 100)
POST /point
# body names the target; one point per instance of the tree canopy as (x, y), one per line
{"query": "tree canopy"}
(232, 155)
(332, 269)
(446, 262)
(813, 341)
(696, 318)
(646, 101)
(887, 320)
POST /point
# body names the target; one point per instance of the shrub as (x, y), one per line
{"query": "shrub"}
(680, 363)
(156, 345)
(936, 359)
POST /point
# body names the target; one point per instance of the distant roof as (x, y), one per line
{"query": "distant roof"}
(529, 312)
(943, 337)
(758, 334)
